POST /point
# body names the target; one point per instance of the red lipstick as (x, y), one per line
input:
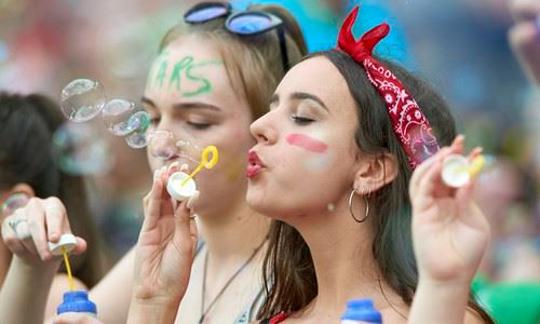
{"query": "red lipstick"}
(255, 165)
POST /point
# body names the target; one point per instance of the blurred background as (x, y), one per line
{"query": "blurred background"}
(460, 46)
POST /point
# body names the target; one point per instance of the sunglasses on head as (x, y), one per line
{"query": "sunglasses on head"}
(243, 23)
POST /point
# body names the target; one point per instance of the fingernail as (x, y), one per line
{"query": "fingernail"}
(156, 174)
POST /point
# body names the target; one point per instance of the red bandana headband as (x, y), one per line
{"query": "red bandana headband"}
(410, 124)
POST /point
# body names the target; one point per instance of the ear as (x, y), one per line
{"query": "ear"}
(375, 172)
(22, 188)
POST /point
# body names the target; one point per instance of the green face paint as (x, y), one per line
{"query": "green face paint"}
(177, 70)
(161, 73)
(183, 75)
(205, 86)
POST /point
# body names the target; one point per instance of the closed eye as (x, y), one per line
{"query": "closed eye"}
(199, 126)
(301, 120)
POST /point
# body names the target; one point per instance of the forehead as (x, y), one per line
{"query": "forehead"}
(317, 76)
(188, 69)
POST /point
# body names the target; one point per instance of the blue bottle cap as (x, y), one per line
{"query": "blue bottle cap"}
(76, 301)
(362, 310)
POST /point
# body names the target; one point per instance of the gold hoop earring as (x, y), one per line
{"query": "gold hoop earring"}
(351, 207)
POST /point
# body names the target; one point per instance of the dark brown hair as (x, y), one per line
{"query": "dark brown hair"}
(27, 124)
(289, 272)
(253, 63)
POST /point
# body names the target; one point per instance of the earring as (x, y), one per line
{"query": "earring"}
(366, 202)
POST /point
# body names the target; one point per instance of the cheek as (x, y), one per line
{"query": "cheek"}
(234, 154)
(307, 143)
(316, 155)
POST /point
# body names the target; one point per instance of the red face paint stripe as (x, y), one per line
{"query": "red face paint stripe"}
(308, 143)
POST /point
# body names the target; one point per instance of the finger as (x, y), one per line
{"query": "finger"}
(182, 216)
(56, 219)
(476, 152)
(174, 167)
(458, 145)
(524, 10)
(152, 212)
(431, 184)
(423, 168)
(166, 200)
(35, 214)
(11, 240)
(184, 168)
(194, 234)
(80, 246)
(192, 200)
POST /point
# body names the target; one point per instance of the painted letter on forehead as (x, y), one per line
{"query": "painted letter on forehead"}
(185, 74)
(177, 70)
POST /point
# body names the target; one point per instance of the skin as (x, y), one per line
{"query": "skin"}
(231, 230)
(444, 219)
(524, 36)
(229, 117)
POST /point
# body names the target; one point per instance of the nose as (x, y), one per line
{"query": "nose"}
(161, 144)
(263, 130)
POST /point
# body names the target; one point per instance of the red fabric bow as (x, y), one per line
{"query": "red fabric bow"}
(410, 124)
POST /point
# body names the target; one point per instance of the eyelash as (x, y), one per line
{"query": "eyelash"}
(198, 126)
(301, 120)
(154, 120)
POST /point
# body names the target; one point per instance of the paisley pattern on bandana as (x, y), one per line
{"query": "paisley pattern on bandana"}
(409, 123)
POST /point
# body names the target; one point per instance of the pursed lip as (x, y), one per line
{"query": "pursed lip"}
(255, 165)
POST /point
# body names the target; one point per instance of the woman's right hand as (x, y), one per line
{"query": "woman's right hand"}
(164, 251)
(28, 230)
(524, 35)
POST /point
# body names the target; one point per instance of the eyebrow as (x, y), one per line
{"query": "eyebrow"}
(308, 96)
(185, 105)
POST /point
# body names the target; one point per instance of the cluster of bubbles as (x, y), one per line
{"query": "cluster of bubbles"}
(165, 146)
(81, 149)
(83, 100)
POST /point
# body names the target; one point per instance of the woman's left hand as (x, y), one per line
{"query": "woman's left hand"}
(450, 233)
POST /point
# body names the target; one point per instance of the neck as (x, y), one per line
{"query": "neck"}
(344, 264)
(234, 234)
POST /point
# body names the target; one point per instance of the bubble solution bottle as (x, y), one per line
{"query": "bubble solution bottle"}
(361, 311)
(77, 302)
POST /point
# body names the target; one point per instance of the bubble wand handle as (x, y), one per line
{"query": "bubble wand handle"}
(206, 162)
(474, 168)
(68, 268)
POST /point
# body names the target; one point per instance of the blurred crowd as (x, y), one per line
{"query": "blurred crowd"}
(461, 46)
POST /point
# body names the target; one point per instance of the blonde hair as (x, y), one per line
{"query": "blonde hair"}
(253, 63)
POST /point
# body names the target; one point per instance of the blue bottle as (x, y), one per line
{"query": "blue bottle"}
(361, 311)
(77, 301)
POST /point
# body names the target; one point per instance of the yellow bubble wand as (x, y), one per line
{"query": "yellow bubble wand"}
(209, 158)
(475, 167)
(71, 283)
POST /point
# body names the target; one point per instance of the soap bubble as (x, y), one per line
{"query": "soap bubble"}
(80, 150)
(162, 145)
(189, 153)
(138, 139)
(423, 143)
(116, 116)
(82, 100)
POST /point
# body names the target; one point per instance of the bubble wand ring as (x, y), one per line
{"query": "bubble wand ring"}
(181, 186)
(205, 162)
